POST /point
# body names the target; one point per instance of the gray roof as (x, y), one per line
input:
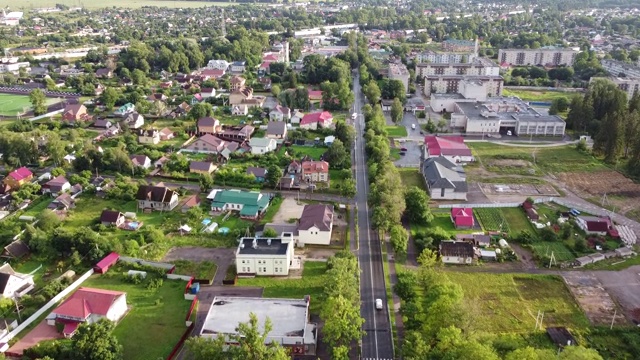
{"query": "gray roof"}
(442, 173)
(276, 128)
(277, 247)
(456, 248)
(257, 171)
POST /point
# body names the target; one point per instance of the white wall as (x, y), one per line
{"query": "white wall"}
(449, 194)
(315, 236)
(262, 264)
(118, 309)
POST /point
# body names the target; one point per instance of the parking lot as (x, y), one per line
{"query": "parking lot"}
(411, 158)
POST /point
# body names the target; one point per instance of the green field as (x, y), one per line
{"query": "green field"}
(299, 151)
(553, 160)
(199, 270)
(412, 177)
(11, 105)
(396, 131)
(538, 95)
(156, 320)
(559, 249)
(517, 221)
(29, 4)
(491, 219)
(312, 283)
(500, 303)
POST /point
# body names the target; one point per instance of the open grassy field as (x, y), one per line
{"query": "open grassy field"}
(29, 4)
(300, 151)
(538, 95)
(199, 270)
(510, 302)
(11, 104)
(312, 283)
(396, 131)
(411, 177)
(498, 158)
(156, 319)
(559, 249)
(517, 221)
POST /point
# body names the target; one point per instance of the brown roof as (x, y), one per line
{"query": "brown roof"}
(315, 166)
(57, 181)
(154, 193)
(166, 132)
(276, 128)
(318, 215)
(456, 248)
(138, 159)
(257, 171)
(200, 166)
(110, 216)
(192, 201)
(207, 121)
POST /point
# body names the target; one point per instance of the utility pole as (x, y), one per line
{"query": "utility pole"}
(613, 319)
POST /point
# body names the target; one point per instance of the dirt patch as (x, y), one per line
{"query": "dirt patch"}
(622, 193)
(510, 163)
(317, 254)
(624, 287)
(220, 256)
(519, 189)
(290, 209)
(592, 297)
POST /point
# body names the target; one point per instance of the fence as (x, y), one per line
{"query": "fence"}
(176, 349)
(497, 205)
(46, 307)
(166, 266)
(179, 277)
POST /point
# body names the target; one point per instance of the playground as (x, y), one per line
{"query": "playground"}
(11, 105)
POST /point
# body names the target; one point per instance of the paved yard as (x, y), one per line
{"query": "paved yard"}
(288, 210)
(594, 300)
(221, 257)
(40, 333)
(412, 156)
(624, 287)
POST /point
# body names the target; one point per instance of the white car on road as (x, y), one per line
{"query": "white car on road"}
(378, 304)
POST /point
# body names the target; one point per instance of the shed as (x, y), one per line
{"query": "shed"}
(624, 252)
(561, 336)
(488, 255)
(584, 260)
(15, 250)
(103, 265)
(142, 274)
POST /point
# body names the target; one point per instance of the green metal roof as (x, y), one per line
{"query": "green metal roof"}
(246, 198)
(249, 210)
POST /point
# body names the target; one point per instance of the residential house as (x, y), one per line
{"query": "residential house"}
(160, 162)
(238, 66)
(239, 110)
(286, 183)
(16, 250)
(134, 120)
(315, 224)
(56, 185)
(264, 256)
(104, 73)
(530, 211)
(64, 201)
(237, 82)
(249, 204)
(102, 123)
(209, 144)
(191, 202)
(18, 177)
(316, 120)
(14, 284)
(478, 240)
(240, 96)
(149, 136)
(208, 125)
(201, 167)
(75, 112)
(280, 113)
(297, 116)
(218, 65)
(315, 95)
(213, 73)
(445, 180)
(156, 198)
(597, 225)
(451, 147)
(261, 146)
(166, 134)
(125, 110)
(142, 161)
(182, 109)
(277, 130)
(88, 305)
(456, 252)
(236, 133)
(266, 82)
(206, 93)
(157, 97)
(462, 218)
(258, 172)
(295, 167)
(112, 218)
(315, 171)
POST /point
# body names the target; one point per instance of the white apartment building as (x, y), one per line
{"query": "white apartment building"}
(399, 72)
(265, 256)
(14, 67)
(446, 91)
(477, 67)
(430, 56)
(618, 68)
(630, 85)
(548, 56)
(218, 65)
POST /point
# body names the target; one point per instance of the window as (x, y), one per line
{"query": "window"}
(264, 269)
(442, 192)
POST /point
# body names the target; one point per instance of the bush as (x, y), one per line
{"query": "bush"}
(155, 284)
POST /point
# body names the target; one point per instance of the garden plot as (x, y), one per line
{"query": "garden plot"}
(592, 298)
(491, 219)
(518, 189)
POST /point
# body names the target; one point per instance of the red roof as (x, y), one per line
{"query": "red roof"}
(315, 167)
(213, 73)
(264, 65)
(462, 216)
(446, 146)
(315, 94)
(21, 173)
(87, 301)
(270, 58)
(316, 117)
(107, 261)
(70, 327)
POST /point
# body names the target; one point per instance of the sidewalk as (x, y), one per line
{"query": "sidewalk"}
(393, 278)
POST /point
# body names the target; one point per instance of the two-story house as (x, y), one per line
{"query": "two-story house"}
(134, 120)
(208, 125)
(315, 171)
(238, 66)
(315, 224)
(75, 113)
(277, 130)
(316, 120)
(264, 256)
(156, 198)
(280, 113)
(57, 185)
(18, 177)
(149, 136)
(261, 146)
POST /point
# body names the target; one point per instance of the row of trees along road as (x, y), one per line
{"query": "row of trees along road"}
(613, 122)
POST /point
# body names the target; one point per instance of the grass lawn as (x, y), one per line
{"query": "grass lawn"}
(559, 249)
(517, 221)
(272, 210)
(11, 105)
(157, 317)
(411, 177)
(300, 151)
(199, 270)
(312, 283)
(394, 154)
(510, 302)
(39, 206)
(550, 160)
(538, 95)
(33, 263)
(614, 264)
(232, 222)
(396, 131)
(337, 178)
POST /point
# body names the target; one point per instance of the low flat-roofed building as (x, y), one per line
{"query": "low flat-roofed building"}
(289, 319)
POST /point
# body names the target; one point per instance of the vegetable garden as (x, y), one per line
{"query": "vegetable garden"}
(491, 219)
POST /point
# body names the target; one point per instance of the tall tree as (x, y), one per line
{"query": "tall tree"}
(38, 101)
(372, 92)
(337, 156)
(396, 111)
(346, 133)
(342, 321)
(399, 239)
(96, 342)
(109, 97)
(417, 210)
(610, 139)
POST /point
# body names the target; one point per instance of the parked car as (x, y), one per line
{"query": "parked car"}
(421, 132)
(403, 149)
(402, 153)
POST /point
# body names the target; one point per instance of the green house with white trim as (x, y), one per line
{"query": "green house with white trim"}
(248, 204)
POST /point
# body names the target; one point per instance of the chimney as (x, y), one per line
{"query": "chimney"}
(241, 245)
(269, 242)
(255, 243)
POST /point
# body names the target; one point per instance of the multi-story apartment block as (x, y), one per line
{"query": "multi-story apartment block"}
(548, 56)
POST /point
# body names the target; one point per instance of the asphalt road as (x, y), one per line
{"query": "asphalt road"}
(377, 342)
